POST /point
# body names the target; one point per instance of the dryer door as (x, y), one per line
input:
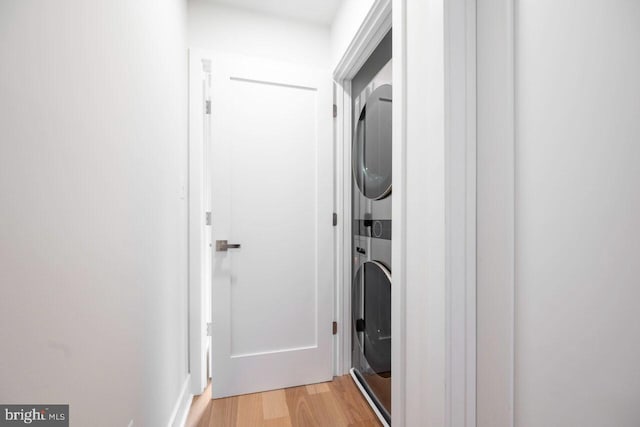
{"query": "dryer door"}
(372, 317)
(371, 155)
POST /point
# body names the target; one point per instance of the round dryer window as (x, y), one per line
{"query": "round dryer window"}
(371, 299)
(372, 145)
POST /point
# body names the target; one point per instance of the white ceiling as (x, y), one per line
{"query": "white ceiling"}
(316, 11)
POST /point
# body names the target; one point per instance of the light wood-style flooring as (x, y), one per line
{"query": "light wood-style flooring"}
(334, 404)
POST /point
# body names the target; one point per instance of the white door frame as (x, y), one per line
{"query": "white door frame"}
(496, 212)
(460, 210)
(375, 26)
(197, 187)
(412, 382)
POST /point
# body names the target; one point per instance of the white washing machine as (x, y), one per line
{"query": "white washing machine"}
(371, 243)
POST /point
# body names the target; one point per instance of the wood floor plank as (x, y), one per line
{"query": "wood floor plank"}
(299, 408)
(278, 422)
(334, 404)
(322, 388)
(274, 405)
(327, 410)
(224, 412)
(317, 388)
(200, 410)
(368, 423)
(249, 412)
(203, 421)
(353, 404)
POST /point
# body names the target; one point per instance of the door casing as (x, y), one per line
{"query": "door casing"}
(198, 313)
(451, 50)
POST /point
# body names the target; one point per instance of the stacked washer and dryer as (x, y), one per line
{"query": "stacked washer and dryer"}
(371, 233)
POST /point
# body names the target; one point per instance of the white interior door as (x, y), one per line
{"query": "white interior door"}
(272, 297)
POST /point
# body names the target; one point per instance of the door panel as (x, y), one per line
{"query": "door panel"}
(272, 298)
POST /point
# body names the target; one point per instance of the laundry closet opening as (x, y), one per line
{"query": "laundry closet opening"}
(371, 198)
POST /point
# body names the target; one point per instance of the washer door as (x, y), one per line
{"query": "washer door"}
(372, 145)
(371, 299)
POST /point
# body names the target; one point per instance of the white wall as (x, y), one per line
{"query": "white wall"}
(346, 23)
(93, 266)
(221, 28)
(577, 213)
(574, 315)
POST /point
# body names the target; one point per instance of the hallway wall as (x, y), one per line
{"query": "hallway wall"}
(577, 205)
(93, 250)
(230, 30)
(346, 24)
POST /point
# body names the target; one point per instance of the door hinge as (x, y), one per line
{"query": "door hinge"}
(335, 219)
(208, 218)
(334, 328)
(209, 329)
(335, 111)
(207, 106)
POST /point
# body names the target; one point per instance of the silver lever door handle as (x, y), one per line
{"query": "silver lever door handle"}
(223, 245)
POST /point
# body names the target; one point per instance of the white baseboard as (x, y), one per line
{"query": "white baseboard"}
(182, 406)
